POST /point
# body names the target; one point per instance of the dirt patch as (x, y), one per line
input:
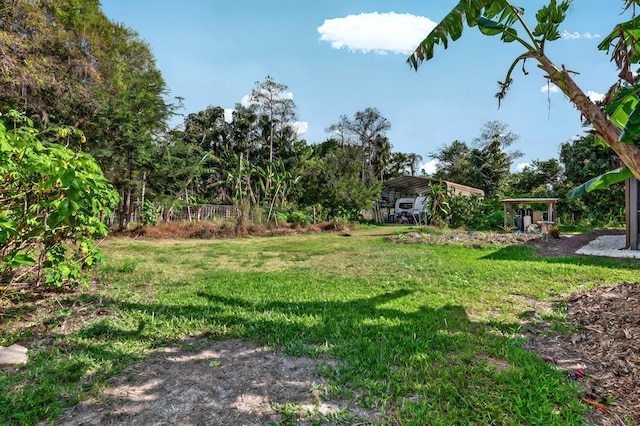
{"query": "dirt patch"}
(231, 382)
(567, 245)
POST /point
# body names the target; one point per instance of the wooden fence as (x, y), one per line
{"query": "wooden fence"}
(197, 212)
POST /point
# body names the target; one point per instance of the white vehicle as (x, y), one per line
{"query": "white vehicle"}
(411, 209)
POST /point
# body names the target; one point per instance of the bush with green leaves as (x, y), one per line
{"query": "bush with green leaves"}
(149, 213)
(475, 212)
(51, 201)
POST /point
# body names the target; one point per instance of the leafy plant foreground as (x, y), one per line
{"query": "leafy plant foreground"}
(333, 329)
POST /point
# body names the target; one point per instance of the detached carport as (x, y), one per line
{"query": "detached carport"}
(414, 186)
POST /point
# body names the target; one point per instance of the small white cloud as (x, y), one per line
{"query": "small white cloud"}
(521, 166)
(300, 127)
(550, 88)
(576, 35)
(376, 32)
(595, 96)
(246, 101)
(228, 115)
(430, 166)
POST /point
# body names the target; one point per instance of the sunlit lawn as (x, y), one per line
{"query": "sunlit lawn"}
(424, 334)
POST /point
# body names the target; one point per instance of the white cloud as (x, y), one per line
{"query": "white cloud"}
(376, 32)
(247, 102)
(595, 96)
(521, 166)
(576, 35)
(429, 167)
(591, 94)
(550, 88)
(228, 115)
(300, 127)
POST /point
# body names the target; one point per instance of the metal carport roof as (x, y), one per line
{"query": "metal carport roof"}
(412, 186)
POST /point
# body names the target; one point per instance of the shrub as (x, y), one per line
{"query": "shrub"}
(149, 214)
(50, 204)
(298, 218)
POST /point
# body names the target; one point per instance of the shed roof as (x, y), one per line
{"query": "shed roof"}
(417, 185)
(529, 200)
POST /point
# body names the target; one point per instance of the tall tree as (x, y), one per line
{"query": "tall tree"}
(583, 159)
(489, 168)
(64, 62)
(276, 110)
(332, 180)
(489, 161)
(366, 129)
(130, 114)
(452, 162)
(398, 165)
(498, 133)
(414, 162)
(540, 179)
(619, 125)
(50, 52)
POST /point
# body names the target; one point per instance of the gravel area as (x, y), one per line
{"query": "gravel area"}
(609, 246)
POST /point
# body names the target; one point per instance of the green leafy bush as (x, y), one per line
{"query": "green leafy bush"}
(51, 200)
(298, 218)
(149, 213)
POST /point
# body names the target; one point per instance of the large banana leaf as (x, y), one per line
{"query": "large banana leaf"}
(625, 41)
(601, 182)
(466, 12)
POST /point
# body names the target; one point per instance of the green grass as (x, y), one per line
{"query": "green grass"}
(425, 334)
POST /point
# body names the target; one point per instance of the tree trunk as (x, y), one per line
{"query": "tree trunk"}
(144, 187)
(606, 130)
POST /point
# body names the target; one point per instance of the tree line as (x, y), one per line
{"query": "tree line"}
(85, 131)
(66, 64)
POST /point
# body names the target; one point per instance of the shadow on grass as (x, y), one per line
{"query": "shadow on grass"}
(427, 365)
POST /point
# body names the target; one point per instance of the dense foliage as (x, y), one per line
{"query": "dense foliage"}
(50, 196)
(67, 63)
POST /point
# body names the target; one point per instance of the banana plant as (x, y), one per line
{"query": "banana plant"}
(281, 180)
(619, 125)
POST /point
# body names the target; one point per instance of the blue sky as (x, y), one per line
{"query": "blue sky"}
(338, 57)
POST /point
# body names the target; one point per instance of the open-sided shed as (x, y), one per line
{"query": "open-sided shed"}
(511, 205)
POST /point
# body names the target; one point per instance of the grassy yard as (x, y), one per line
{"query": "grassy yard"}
(425, 334)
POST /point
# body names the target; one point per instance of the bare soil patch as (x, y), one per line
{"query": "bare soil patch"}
(567, 245)
(231, 382)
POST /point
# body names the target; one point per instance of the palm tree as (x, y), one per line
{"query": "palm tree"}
(414, 161)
